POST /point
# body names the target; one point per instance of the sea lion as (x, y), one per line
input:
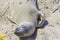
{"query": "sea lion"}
(28, 17)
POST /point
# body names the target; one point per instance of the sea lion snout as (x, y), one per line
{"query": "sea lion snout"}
(19, 31)
(23, 29)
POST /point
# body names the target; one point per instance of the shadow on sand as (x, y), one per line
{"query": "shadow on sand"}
(33, 37)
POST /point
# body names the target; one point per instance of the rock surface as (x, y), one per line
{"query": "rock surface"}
(49, 31)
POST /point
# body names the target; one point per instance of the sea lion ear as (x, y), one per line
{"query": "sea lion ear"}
(40, 19)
